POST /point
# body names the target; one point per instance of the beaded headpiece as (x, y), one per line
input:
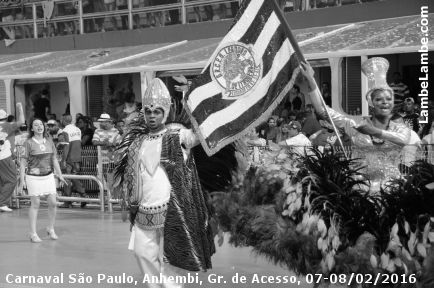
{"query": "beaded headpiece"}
(375, 70)
(157, 96)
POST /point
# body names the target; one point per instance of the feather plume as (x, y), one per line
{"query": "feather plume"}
(137, 127)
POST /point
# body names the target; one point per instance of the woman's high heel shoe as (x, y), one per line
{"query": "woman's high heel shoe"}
(52, 234)
(34, 238)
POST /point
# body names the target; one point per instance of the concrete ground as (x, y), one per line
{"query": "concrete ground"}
(92, 244)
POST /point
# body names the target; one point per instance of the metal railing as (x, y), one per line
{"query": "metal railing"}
(91, 172)
(100, 200)
(66, 17)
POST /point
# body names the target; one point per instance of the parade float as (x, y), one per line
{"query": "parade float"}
(359, 219)
(318, 215)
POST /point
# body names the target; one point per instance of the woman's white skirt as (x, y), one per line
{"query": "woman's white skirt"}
(41, 185)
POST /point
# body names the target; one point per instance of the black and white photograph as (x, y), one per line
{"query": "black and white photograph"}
(216, 143)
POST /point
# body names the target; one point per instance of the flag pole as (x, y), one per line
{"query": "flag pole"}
(288, 32)
(294, 43)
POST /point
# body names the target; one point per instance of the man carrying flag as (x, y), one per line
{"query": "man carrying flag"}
(248, 75)
(250, 72)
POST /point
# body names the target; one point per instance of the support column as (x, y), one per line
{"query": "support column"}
(336, 85)
(10, 97)
(364, 83)
(183, 12)
(80, 16)
(77, 95)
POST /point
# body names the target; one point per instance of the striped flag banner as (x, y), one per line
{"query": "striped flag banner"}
(248, 75)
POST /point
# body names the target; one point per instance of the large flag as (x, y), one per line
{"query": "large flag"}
(248, 75)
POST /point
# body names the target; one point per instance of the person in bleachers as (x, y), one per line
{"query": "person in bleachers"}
(53, 131)
(296, 98)
(400, 90)
(136, 17)
(98, 6)
(271, 131)
(108, 137)
(8, 15)
(326, 94)
(301, 117)
(120, 125)
(130, 109)
(324, 138)
(311, 124)
(85, 124)
(51, 116)
(123, 5)
(89, 24)
(297, 141)
(409, 114)
(283, 132)
(42, 106)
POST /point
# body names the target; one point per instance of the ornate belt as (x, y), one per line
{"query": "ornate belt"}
(150, 218)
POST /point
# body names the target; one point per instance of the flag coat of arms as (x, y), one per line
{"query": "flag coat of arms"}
(248, 75)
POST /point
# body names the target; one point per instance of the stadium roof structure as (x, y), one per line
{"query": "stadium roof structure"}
(378, 37)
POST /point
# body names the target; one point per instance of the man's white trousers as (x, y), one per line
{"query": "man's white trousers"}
(148, 248)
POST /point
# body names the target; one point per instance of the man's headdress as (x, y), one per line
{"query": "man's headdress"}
(157, 96)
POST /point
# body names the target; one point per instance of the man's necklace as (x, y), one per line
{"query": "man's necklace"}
(153, 136)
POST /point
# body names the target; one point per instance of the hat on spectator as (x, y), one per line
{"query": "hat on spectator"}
(3, 114)
(51, 122)
(104, 118)
(295, 125)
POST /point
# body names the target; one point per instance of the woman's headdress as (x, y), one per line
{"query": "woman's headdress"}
(375, 70)
(157, 96)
